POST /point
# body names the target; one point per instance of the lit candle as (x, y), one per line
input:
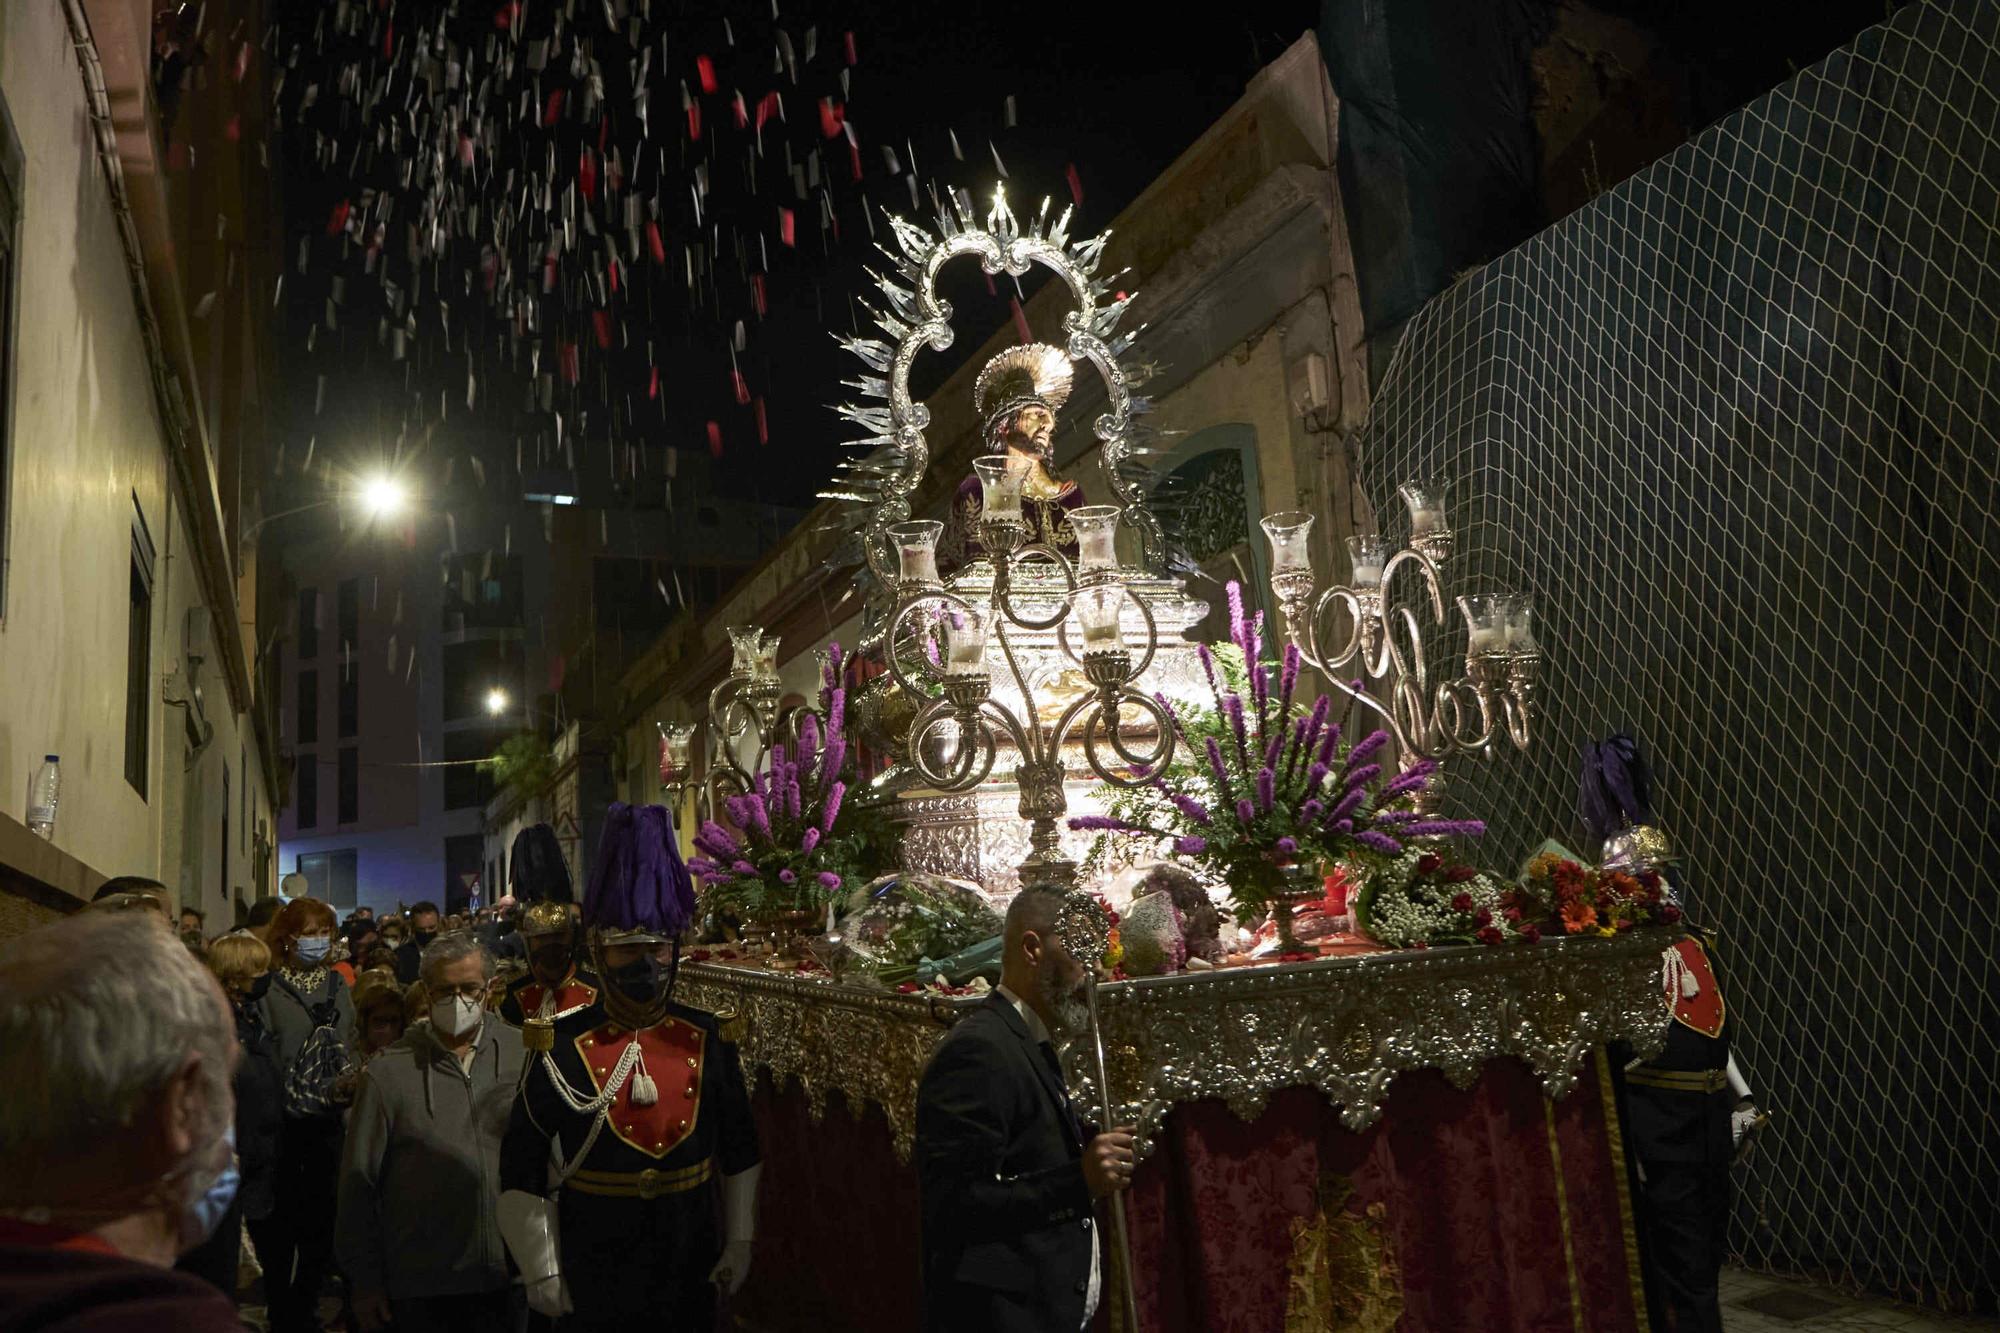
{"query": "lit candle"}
(1366, 554)
(1000, 486)
(1485, 628)
(1097, 613)
(916, 550)
(1288, 533)
(1425, 500)
(767, 655)
(1096, 528)
(1518, 614)
(743, 643)
(965, 642)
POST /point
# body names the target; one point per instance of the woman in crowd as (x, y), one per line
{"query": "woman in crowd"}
(378, 1016)
(361, 936)
(296, 1244)
(242, 963)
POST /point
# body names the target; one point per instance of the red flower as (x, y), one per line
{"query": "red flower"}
(1485, 918)
(697, 955)
(1459, 874)
(1670, 914)
(908, 988)
(1428, 862)
(1490, 936)
(1462, 903)
(1531, 933)
(1513, 914)
(1651, 879)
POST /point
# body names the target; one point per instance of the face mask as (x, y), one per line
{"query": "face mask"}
(550, 960)
(258, 986)
(454, 1016)
(640, 981)
(424, 937)
(204, 1213)
(313, 948)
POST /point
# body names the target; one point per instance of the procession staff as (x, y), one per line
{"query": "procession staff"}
(554, 986)
(644, 1105)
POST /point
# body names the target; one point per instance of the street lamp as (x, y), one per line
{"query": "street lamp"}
(497, 701)
(382, 496)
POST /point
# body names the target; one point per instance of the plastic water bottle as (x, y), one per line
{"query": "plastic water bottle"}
(42, 800)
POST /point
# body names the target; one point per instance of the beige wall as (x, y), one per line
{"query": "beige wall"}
(85, 442)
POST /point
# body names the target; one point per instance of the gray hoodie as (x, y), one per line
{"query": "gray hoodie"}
(420, 1182)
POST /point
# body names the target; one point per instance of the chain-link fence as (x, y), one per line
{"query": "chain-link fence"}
(1735, 424)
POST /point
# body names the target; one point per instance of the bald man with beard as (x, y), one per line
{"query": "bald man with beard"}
(1008, 1172)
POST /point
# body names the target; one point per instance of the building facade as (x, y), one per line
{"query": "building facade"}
(134, 380)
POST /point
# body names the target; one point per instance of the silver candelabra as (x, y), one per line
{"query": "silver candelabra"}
(1464, 714)
(959, 685)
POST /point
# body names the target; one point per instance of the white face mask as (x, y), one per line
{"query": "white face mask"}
(454, 1016)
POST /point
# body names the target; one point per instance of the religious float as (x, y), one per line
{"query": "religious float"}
(1369, 1079)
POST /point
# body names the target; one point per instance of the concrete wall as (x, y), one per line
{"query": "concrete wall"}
(87, 456)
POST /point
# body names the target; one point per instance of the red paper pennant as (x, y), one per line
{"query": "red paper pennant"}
(586, 175)
(705, 68)
(715, 439)
(656, 243)
(601, 321)
(653, 382)
(553, 109)
(787, 228)
(1075, 183)
(694, 120)
(338, 222)
(763, 431)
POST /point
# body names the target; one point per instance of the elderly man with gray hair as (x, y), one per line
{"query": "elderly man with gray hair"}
(420, 1183)
(116, 1128)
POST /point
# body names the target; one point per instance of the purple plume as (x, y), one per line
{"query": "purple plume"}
(810, 840)
(832, 811)
(638, 881)
(1348, 805)
(1356, 779)
(1381, 842)
(1189, 806)
(1368, 745)
(1245, 812)
(715, 839)
(1266, 781)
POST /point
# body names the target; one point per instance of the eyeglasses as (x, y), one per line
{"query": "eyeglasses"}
(471, 990)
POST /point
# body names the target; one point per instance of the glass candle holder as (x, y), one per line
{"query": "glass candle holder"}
(1096, 528)
(1097, 615)
(1366, 554)
(1485, 625)
(676, 746)
(767, 656)
(1288, 532)
(1517, 617)
(916, 550)
(965, 641)
(1000, 487)
(744, 640)
(1425, 500)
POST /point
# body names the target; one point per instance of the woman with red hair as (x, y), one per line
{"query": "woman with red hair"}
(295, 1244)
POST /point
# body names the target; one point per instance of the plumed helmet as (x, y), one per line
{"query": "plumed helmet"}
(640, 891)
(540, 878)
(1032, 373)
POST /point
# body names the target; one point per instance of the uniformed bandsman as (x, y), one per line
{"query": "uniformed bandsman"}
(554, 985)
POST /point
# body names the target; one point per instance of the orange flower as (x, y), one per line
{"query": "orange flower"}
(1578, 916)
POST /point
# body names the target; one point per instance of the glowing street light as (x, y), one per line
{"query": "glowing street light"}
(383, 496)
(496, 701)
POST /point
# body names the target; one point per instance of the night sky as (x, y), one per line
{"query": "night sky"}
(414, 288)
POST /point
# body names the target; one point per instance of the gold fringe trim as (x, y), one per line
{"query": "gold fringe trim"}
(1562, 1212)
(1614, 1133)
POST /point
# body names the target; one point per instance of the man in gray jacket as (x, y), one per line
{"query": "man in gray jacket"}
(420, 1184)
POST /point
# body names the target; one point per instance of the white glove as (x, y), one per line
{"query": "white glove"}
(550, 1297)
(739, 1225)
(732, 1268)
(528, 1225)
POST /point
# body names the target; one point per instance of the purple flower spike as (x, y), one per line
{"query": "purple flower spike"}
(1368, 745)
(699, 865)
(1348, 805)
(718, 836)
(1358, 778)
(1411, 779)
(1266, 781)
(1343, 826)
(1236, 628)
(832, 811)
(1215, 768)
(1099, 824)
(787, 877)
(1287, 847)
(1190, 846)
(1381, 842)
(1288, 677)
(1245, 813)
(808, 738)
(1445, 828)
(810, 840)
(1189, 806)
(1316, 775)
(745, 868)
(1311, 811)
(828, 880)
(760, 816)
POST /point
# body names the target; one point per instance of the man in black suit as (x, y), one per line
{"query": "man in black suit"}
(410, 953)
(1007, 1170)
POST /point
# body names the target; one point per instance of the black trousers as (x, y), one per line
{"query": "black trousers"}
(500, 1311)
(295, 1244)
(1685, 1211)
